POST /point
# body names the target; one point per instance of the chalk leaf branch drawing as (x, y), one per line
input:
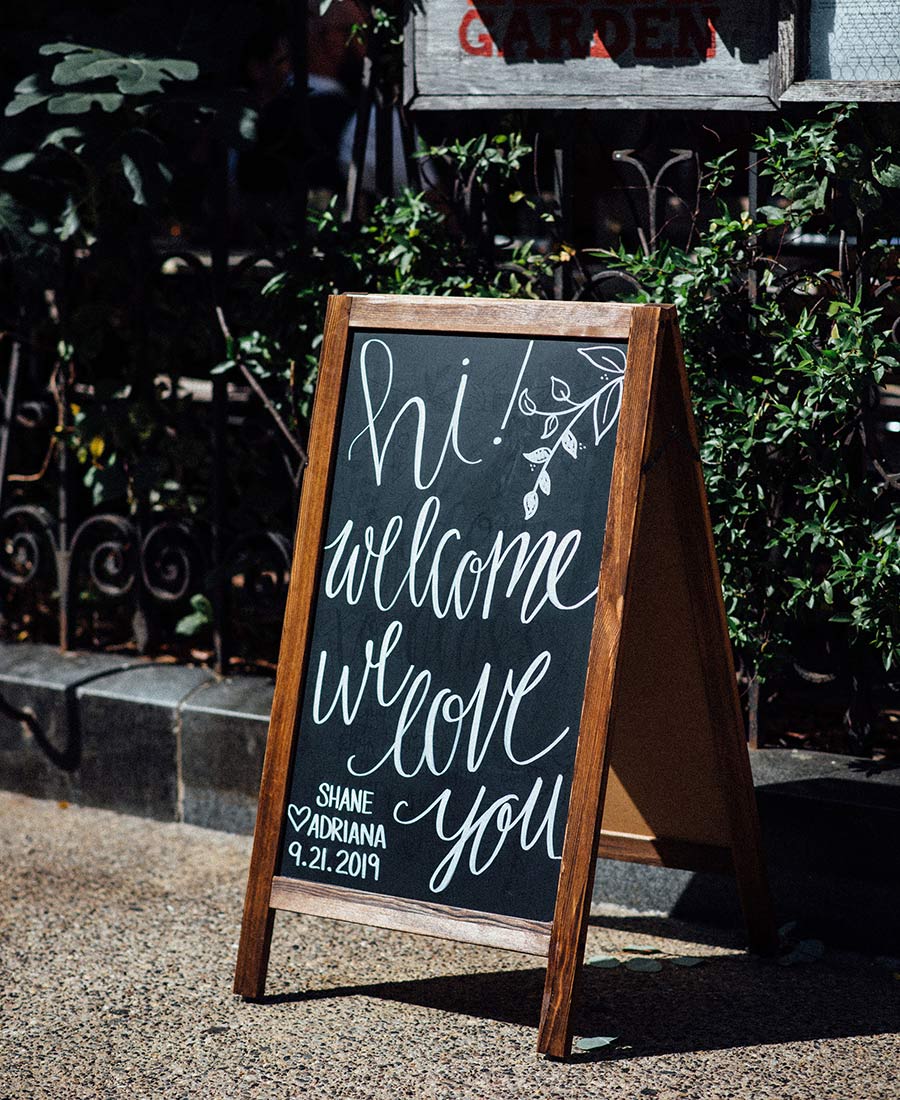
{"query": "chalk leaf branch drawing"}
(561, 421)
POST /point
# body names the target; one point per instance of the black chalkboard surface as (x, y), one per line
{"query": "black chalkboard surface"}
(504, 649)
(453, 617)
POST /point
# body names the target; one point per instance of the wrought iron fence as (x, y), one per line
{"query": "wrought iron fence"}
(190, 580)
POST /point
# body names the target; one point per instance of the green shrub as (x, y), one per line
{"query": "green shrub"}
(784, 364)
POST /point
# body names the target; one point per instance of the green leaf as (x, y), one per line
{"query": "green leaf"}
(18, 162)
(133, 75)
(687, 960)
(597, 1042)
(202, 605)
(201, 616)
(806, 951)
(889, 176)
(190, 625)
(79, 103)
(644, 966)
(641, 949)
(71, 222)
(29, 84)
(59, 137)
(50, 48)
(133, 175)
(604, 962)
(23, 102)
(773, 214)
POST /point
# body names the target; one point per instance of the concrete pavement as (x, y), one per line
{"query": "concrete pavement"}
(117, 946)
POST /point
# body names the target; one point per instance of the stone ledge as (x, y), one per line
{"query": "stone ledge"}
(175, 743)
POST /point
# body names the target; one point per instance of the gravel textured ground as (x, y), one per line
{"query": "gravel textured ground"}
(117, 943)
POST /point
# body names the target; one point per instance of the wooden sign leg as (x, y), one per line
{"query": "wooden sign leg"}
(256, 930)
(576, 876)
(570, 920)
(253, 953)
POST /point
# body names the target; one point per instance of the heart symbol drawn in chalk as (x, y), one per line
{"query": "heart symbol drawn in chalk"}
(298, 816)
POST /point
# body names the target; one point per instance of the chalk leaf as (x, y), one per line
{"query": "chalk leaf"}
(526, 405)
(540, 455)
(560, 389)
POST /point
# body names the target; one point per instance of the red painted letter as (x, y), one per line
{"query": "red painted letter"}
(482, 46)
(611, 33)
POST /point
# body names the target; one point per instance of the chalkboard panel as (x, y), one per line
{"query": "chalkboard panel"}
(453, 617)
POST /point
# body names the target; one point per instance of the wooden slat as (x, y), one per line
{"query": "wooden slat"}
(687, 855)
(833, 91)
(256, 929)
(405, 915)
(782, 63)
(582, 836)
(590, 103)
(591, 320)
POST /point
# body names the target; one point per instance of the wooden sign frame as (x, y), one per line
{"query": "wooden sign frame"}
(785, 79)
(659, 594)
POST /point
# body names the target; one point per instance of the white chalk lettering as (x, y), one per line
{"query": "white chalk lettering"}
(385, 362)
(497, 821)
(522, 567)
(429, 738)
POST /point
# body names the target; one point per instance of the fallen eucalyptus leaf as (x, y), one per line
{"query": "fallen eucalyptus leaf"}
(604, 962)
(641, 949)
(595, 1043)
(644, 966)
(806, 951)
(687, 960)
(786, 930)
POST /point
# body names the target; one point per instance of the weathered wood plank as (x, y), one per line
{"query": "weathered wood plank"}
(593, 320)
(602, 102)
(546, 52)
(403, 915)
(843, 91)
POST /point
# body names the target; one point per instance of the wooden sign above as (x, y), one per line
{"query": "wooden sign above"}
(550, 54)
(648, 54)
(503, 568)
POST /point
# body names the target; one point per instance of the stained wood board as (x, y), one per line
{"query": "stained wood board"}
(543, 54)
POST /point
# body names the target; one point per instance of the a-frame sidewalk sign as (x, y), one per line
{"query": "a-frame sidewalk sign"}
(505, 650)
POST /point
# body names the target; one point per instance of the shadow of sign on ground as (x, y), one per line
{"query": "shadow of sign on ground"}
(726, 1002)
